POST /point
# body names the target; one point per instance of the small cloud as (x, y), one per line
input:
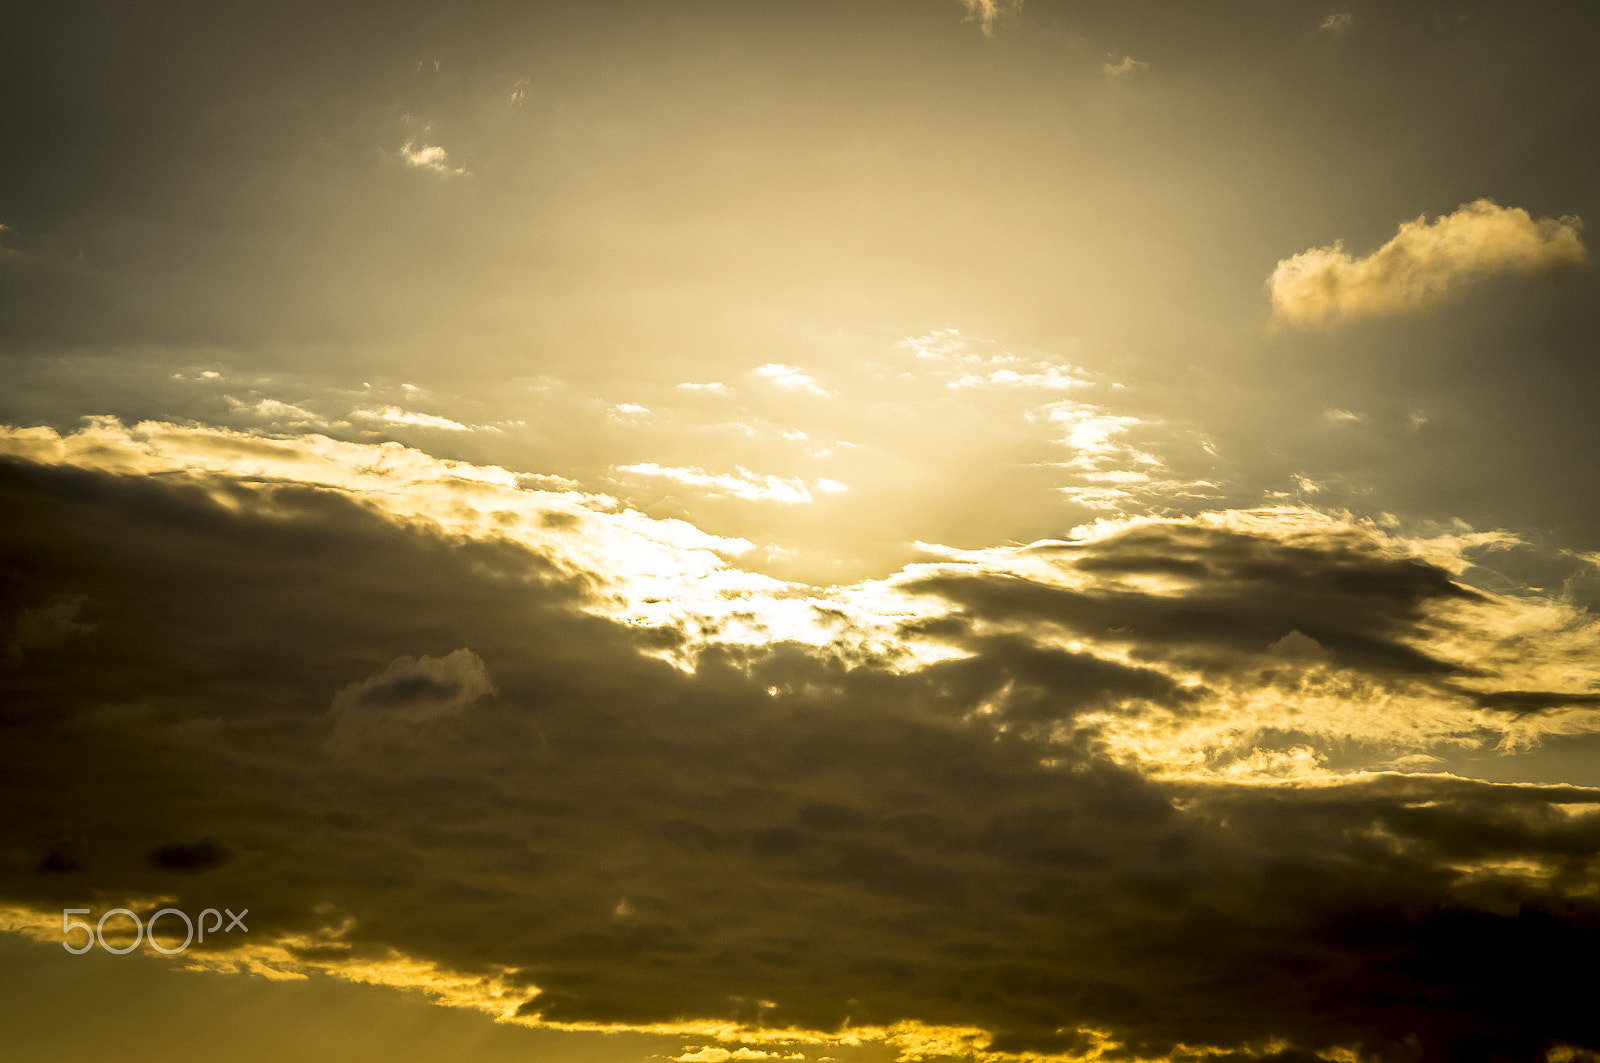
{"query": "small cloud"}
(742, 483)
(395, 415)
(987, 12)
(1426, 265)
(628, 411)
(1416, 762)
(51, 624)
(1125, 66)
(714, 387)
(1335, 22)
(790, 378)
(983, 364)
(406, 699)
(1337, 416)
(1299, 762)
(712, 1054)
(429, 157)
(1051, 377)
(202, 855)
(1298, 646)
(519, 91)
(272, 410)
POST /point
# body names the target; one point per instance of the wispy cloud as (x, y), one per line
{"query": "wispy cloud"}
(629, 412)
(1426, 265)
(742, 483)
(396, 415)
(968, 363)
(1124, 67)
(273, 410)
(790, 378)
(988, 12)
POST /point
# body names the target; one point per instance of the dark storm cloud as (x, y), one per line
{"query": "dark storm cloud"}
(857, 845)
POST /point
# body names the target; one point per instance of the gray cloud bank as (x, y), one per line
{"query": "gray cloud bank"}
(407, 743)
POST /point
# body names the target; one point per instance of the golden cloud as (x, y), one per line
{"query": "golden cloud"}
(1426, 265)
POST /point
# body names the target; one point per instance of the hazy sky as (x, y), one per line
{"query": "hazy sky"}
(990, 529)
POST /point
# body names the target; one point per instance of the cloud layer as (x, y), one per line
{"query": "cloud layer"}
(1425, 265)
(1099, 814)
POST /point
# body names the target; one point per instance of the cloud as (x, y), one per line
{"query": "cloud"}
(273, 410)
(429, 157)
(47, 626)
(650, 571)
(203, 855)
(742, 483)
(1426, 265)
(1335, 22)
(396, 415)
(1233, 610)
(966, 363)
(1111, 461)
(1125, 66)
(1000, 848)
(987, 12)
(407, 700)
(790, 378)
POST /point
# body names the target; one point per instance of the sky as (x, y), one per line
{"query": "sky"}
(1011, 531)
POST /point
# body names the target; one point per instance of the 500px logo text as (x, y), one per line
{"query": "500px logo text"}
(146, 930)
